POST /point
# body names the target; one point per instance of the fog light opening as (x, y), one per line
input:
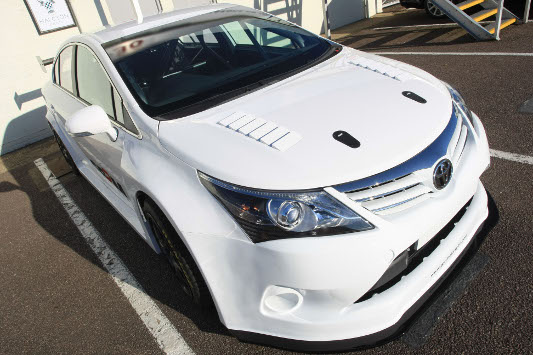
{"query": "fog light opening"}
(282, 300)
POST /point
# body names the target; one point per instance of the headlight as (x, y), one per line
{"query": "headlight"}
(266, 215)
(460, 101)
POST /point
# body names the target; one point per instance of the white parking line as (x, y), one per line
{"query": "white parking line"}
(165, 334)
(519, 158)
(503, 54)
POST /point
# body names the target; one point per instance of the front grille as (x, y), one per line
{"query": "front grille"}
(398, 194)
(392, 196)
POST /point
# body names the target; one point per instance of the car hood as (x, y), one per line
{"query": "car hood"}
(355, 92)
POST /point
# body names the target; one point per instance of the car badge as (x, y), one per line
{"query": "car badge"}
(442, 174)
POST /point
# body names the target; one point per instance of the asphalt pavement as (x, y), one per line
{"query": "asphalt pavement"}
(56, 296)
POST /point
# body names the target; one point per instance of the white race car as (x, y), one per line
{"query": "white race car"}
(315, 193)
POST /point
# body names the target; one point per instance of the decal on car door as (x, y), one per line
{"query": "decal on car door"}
(109, 178)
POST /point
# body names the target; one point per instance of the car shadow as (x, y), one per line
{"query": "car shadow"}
(19, 173)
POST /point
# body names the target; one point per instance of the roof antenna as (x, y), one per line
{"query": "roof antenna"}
(138, 12)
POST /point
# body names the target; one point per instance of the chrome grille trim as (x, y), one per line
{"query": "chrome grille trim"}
(397, 204)
(385, 194)
(391, 201)
(398, 188)
(386, 188)
(455, 137)
(423, 160)
(461, 143)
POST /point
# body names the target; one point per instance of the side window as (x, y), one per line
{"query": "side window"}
(94, 88)
(122, 114)
(93, 85)
(65, 69)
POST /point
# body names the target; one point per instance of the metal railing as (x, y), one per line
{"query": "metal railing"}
(498, 20)
(327, 30)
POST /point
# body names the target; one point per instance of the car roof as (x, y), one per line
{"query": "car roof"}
(132, 27)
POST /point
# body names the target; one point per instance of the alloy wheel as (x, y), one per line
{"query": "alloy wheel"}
(434, 10)
(66, 154)
(169, 250)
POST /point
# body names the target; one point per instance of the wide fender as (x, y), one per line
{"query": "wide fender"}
(176, 189)
(200, 220)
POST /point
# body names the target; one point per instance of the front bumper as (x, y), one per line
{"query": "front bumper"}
(398, 303)
(318, 284)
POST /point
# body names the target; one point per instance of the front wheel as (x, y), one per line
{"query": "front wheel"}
(65, 153)
(433, 11)
(176, 253)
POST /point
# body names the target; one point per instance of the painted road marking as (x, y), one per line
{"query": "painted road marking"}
(527, 107)
(503, 54)
(165, 334)
(519, 158)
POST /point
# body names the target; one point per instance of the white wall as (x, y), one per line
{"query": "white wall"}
(22, 118)
(123, 11)
(22, 115)
(309, 13)
(343, 12)
(181, 4)
(306, 13)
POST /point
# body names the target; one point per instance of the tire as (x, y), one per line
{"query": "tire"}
(172, 247)
(66, 153)
(432, 10)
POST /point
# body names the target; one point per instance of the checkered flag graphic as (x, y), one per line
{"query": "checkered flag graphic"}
(48, 4)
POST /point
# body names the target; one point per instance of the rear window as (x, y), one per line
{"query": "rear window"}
(189, 69)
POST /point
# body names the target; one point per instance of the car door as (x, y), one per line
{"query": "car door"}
(93, 87)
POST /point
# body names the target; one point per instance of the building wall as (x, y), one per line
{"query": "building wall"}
(310, 14)
(21, 78)
(307, 14)
(22, 118)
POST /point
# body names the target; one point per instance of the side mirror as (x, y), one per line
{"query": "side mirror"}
(90, 121)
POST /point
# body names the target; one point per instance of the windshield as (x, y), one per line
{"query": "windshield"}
(187, 69)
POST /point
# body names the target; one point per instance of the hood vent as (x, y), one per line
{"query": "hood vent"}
(263, 131)
(381, 68)
(411, 95)
(346, 138)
